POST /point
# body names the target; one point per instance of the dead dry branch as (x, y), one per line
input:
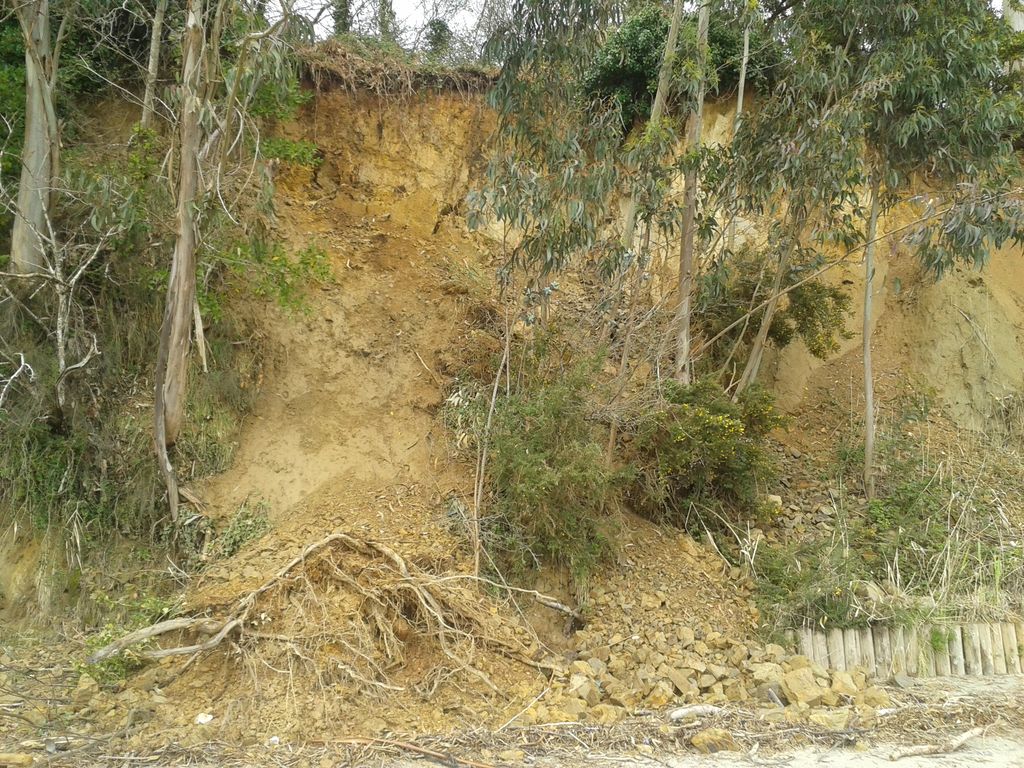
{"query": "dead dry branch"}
(937, 749)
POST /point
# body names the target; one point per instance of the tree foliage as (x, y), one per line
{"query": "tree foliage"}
(625, 68)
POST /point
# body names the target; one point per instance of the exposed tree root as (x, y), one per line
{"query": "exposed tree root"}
(348, 607)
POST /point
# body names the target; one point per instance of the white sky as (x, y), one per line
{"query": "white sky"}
(461, 15)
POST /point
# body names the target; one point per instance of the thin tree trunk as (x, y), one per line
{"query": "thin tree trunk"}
(657, 110)
(730, 241)
(175, 334)
(622, 376)
(869, 384)
(37, 161)
(342, 16)
(386, 20)
(753, 366)
(153, 66)
(683, 370)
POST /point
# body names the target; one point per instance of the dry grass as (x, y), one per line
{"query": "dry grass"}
(352, 67)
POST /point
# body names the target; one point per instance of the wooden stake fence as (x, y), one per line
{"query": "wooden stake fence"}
(929, 650)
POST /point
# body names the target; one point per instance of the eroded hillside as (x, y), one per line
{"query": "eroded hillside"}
(357, 613)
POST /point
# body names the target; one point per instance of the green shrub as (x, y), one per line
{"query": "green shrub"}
(626, 67)
(301, 152)
(702, 448)
(816, 312)
(813, 311)
(272, 272)
(553, 493)
(247, 524)
(807, 583)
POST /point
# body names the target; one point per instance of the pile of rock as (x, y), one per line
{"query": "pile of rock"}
(612, 678)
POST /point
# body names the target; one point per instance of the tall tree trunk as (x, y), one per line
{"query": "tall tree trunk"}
(342, 16)
(153, 67)
(869, 383)
(753, 366)
(657, 110)
(684, 364)
(386, 20)
(730, 241)
(175, 334)
(37, 160)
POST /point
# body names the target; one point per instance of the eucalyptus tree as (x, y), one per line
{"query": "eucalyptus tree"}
(797, 163)
(153, 63)
(215, 170)
(748, 17)
(553, 163)
(942, 117)
(387, 22)
(668, 61)
(176, 330)
(343, 16)
(44, 29)
(684, 362)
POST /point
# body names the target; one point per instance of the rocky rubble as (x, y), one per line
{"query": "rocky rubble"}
(612, 677)
(662, 632)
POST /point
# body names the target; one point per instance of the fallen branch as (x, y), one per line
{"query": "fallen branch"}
(692, 711)
(937, 749)
(445, 759)
(221, 628)
(141, 635)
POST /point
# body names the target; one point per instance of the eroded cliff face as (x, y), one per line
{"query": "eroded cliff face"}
(410, 158)
(958, 340)
(395, 174)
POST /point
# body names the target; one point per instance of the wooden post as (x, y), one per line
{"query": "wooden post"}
(899, 650)
(956, 651)
(836, 654)
(820, 645)
(805, 642)
(985, 648)
(941, 650)
(998, 654)
(972, 650)
(1019, 627)
(790, 637)
(1011, 648)
(867, 651)
(913, 651)
(851, 647)
(883, 651)
(927, 652)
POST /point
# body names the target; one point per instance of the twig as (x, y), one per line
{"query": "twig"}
(23, 367)
(546, 600)
(938, 749)
(409, 747)
(437, 379)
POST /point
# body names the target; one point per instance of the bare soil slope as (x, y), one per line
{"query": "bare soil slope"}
(346, 439)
